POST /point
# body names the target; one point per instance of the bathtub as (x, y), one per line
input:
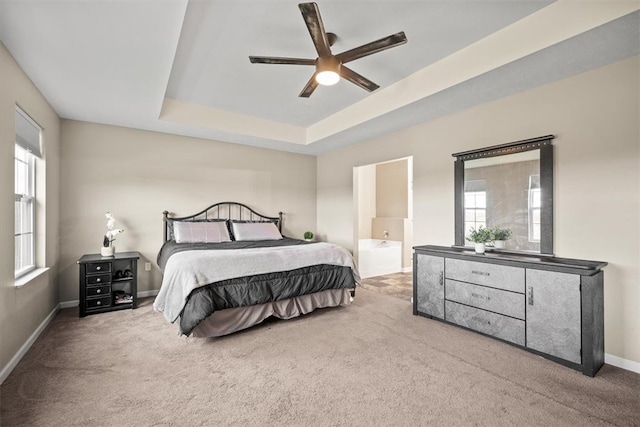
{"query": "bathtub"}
(379, 257)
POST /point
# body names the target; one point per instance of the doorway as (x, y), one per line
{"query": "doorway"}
(383, 229)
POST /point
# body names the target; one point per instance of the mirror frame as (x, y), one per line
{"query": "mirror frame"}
(542, 143)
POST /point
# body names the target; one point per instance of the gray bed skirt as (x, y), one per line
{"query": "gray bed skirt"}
(227, 321)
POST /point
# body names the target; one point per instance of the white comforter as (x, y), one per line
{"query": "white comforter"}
(188, 270)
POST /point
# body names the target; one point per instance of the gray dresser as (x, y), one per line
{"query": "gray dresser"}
(547, 305)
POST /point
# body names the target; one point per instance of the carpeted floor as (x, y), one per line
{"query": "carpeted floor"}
(371, 363)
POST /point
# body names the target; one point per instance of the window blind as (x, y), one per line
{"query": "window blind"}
(27, 133)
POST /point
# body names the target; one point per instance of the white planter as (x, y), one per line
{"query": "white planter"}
(107, 251)
(479, 248)
(499, 244)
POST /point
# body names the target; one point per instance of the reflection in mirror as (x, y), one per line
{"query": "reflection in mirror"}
(505, 192)
(507, 186)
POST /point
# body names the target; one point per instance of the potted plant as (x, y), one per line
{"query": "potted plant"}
(499, 236)
(480, 238)
(308, 236)
(107, 242)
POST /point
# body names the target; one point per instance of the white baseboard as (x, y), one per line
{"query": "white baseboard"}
(27, 345)
(619, 362)
(407, 269)
(69, 304)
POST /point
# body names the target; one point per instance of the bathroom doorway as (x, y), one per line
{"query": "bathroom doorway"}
(383, 229)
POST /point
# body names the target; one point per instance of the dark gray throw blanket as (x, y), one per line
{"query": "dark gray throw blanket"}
(260, 289)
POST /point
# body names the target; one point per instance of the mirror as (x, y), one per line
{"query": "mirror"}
(507, 186)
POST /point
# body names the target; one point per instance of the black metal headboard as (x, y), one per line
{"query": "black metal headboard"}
(222, 210)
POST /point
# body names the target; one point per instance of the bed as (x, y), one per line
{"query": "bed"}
(228, 267)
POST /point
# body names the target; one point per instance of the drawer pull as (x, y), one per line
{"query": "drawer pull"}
(480, 273)
(98, 268)
(488, 298)
(98, 302)
(98, 291)
(481, 320)
(442, 278)
(98, 280)
(530, 295)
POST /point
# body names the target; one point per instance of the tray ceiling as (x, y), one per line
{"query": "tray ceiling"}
(182, 66)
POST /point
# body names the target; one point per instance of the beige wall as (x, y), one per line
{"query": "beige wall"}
(138, 174)
(392, 189)
(23, 309)
(366, 200)
(597, 181)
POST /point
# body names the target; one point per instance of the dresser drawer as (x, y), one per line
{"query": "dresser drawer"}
(98, 267)
(496, 325)
(97, 279)
(491, 299)
(95, 303)
(93, 291)
(493, 275)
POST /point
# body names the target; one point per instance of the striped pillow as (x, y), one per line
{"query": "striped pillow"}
(255, 231)
(201, 232)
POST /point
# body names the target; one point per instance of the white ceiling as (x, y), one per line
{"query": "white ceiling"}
(182, 66)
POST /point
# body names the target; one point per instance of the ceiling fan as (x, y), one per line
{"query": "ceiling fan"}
(330, 67)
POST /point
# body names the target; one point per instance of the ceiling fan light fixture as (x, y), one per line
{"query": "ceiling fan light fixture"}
(327, 78)
(327, 70)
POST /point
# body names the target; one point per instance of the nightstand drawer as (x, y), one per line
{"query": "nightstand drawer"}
(98, 267)
(93, 291)
(95, 303)
(99, 279)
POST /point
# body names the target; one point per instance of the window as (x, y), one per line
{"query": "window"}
(26, 149)
(535, 206)
(475, 206)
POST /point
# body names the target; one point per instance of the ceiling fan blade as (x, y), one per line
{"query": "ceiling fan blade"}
(278, 60)
(311, 85)
(373, 47)
(311, 15)
(357, 79)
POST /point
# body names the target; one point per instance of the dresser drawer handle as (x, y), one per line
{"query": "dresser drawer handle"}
(473, 294)
(98, 268)
(481, 273)
(98, 291)
(481, 320)
(98, 280)
(98, 302)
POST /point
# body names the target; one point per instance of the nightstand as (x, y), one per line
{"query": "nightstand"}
(108, 283)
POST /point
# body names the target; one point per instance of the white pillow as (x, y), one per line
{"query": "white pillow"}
(201, 232)
(255, 231)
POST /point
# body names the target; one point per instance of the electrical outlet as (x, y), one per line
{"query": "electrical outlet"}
(147, 266)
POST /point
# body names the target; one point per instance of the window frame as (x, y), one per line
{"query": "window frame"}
(535, 206)
(476, 208)
(27, 151)
(25, 263)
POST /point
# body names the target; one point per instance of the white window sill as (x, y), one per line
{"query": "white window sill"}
(29, 277)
